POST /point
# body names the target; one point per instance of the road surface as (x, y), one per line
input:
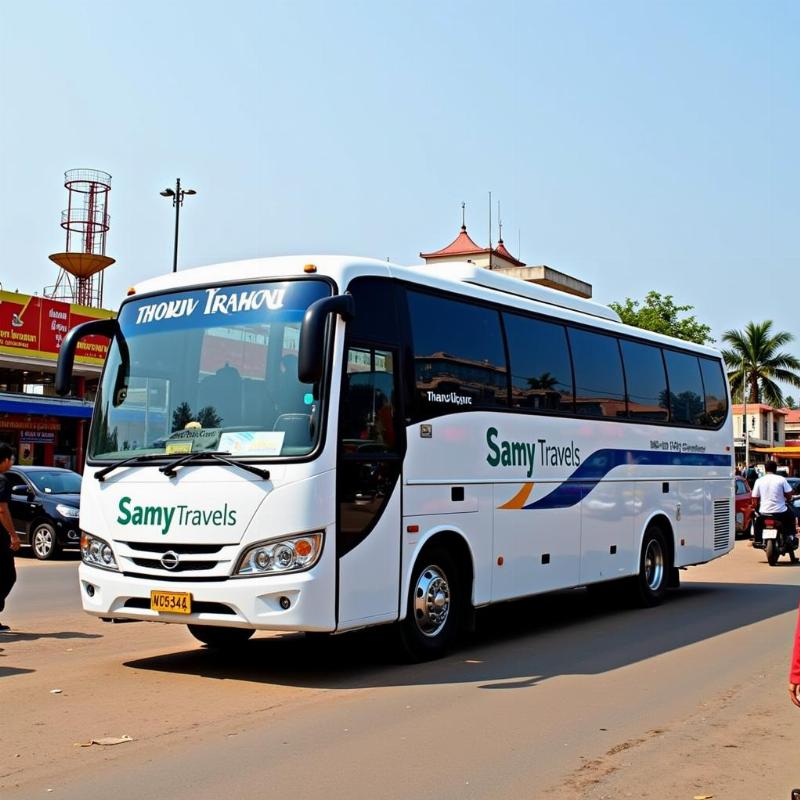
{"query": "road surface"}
(552, 697)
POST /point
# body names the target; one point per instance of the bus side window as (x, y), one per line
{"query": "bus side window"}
(368, 400)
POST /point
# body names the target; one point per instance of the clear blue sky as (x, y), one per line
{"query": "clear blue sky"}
(637, 145)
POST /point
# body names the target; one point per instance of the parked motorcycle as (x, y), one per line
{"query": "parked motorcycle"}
(776, 541)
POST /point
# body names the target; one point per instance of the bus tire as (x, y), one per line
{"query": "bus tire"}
(650, 585)
(434, 606)
(220, 638)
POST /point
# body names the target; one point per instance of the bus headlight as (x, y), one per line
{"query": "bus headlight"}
(97, 552)
(292, 554)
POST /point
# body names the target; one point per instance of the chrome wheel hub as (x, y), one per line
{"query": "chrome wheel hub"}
(654, 565)
(42, 541)
(431, 601)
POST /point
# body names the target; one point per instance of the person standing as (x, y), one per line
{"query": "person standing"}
(9, 541)
(794, 670)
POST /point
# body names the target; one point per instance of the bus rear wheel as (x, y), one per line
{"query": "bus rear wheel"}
(220, 638)
(434, 606)
(650, 585)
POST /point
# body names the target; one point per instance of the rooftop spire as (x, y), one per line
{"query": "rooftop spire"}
(463, 216)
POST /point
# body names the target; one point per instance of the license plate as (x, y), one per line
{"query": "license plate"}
(171, 602)
(770, 533)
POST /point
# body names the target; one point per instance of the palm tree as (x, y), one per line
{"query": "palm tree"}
(755, 361)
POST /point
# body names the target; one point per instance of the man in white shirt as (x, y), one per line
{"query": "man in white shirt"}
(772, 492)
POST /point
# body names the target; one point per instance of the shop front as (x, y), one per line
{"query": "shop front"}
(45, 430)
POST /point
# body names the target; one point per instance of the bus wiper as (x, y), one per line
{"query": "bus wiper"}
(101, 473)
(214, 455)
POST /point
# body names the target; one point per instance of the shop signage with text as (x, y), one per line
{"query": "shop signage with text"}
(36, 326)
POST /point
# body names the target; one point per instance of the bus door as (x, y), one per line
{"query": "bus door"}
(368, 487)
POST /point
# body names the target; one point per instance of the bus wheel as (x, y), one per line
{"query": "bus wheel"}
(650, 585)
(434, 602)
(220, 638)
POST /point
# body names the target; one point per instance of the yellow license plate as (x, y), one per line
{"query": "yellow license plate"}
(171, 602)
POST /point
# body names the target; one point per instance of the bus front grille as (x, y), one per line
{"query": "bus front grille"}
(182, 566)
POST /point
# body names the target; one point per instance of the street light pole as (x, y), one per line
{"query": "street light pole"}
(746, 433)
(177, 194)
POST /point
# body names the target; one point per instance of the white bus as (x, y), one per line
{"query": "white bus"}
(323, 444)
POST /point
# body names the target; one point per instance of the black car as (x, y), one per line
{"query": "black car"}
(44, 506)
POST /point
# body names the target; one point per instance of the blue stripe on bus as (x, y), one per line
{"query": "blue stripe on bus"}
(600, 463)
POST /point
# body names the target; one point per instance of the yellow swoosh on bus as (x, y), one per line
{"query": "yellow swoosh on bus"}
(520, 498)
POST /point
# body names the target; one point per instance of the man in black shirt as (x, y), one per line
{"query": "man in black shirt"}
(9, 541)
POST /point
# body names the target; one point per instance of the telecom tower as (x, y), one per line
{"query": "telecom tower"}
(85, 220)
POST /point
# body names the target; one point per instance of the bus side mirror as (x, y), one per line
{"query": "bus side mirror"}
(66, 354)
(312, 334)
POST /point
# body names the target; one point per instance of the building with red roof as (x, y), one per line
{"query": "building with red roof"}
(464, 248)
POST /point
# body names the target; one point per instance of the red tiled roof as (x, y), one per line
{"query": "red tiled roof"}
(503, 252)
(738, 408)
(462, 245)
(793, 415)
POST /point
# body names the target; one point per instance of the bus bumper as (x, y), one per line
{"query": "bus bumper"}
(301, 601)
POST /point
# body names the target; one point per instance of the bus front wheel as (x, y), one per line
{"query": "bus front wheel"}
(434, 605)
(219, 637)
(650, 585)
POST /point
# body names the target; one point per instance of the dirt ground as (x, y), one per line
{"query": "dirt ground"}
(687, 702)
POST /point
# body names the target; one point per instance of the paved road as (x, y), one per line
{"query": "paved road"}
(43, 587)
(553, 697)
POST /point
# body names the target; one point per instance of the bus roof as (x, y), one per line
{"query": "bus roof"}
(463, 278)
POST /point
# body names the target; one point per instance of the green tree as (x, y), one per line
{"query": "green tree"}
(660, 314)
(208, 417)
(181, 415)
(755, 361)
(791, 403)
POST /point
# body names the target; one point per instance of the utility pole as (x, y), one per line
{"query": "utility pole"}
(745, 389)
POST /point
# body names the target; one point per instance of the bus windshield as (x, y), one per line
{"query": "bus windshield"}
(209, 369)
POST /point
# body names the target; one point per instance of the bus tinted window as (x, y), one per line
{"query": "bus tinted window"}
(376, 318)
(646, 381)
(459, 358)
(685, 388)
(716, 394)
(541, 375)
(599, 385)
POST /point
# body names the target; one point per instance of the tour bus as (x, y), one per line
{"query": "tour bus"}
(325, 443)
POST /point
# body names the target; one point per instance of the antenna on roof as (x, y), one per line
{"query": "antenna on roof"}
(463, 216)
(490, 220)
(499, 224)
(490, 230)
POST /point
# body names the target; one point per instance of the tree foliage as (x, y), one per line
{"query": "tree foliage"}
(181, 415)
(206, 416)
(659, 313)
(755, 361)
